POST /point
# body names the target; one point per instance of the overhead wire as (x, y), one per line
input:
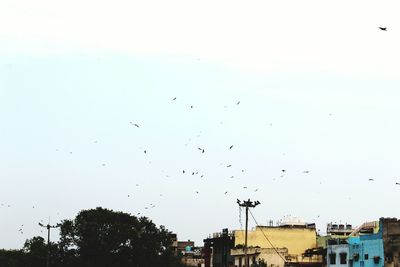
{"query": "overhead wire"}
(266, 237)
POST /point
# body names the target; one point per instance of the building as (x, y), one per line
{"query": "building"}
(337, 245)
(391, 242)
(289, 242)
(376, 244)
(373, 244)
(366, 246)
(337, 253)
(334, 230)
(217, 249)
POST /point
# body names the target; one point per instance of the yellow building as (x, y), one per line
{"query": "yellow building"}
(296, 239)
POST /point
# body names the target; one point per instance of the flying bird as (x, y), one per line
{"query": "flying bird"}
(306, 171)
(383, 28)
(370, 179)
(397, 183)
(231, 147)
(283, 170)
(174, 99)
(229, 166)
(238, 103)
(226, 192)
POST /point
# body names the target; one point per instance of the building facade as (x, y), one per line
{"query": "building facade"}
(283, 245)
(217, 249)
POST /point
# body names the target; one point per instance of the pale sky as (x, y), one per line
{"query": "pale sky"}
(318, 85)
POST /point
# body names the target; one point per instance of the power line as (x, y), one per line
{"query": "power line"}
(266, 237)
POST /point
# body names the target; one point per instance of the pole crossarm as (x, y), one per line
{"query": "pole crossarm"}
(247, 204)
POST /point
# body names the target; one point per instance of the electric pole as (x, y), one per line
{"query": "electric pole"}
(48, 226)
(247, 204)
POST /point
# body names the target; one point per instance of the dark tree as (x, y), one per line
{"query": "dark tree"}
(12, 258)
(104, 238)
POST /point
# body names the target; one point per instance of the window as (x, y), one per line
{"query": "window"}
(343, 258)
(356, 256)
(377, 259)
(366, 257)
(332, 258)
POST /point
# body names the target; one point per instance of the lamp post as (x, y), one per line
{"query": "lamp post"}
(247, 204)
(48, 227)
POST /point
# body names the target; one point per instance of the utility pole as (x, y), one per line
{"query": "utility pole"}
(247, 204)
(48, 226)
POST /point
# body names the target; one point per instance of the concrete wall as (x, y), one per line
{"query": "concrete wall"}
(296, 240)
(268, 255)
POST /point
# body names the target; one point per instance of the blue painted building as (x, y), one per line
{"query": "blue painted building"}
(366, 249)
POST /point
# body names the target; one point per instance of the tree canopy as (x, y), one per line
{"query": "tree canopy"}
(100, 238)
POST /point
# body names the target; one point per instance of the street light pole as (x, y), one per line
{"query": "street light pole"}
(48, 227)
(247, 204)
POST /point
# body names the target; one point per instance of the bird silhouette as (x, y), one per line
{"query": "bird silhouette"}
(238, 103)
(397, 183)
(231, 147)
(229, 166)
(370, 179)
(383, 28)
(174, 99)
